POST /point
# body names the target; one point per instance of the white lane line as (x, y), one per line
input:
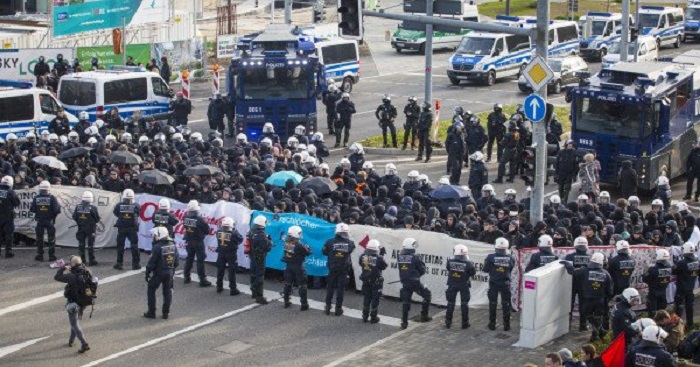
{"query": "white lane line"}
(172, 335)
(53, 296)
(316, 305)
(194, 121)
(14, 348)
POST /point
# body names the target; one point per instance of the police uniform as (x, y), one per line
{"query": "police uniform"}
(86, 217)
(459, 273)
(508, 154)
(8, 202)
(330, 100)
(45, 208)
(372, 265)
(196, 230)
(386, 113)
(294, 256)
(227, 258)
(411, 269)
(686, 272)
(657, 277)
(499, 266)
(127, 228)
(260, 245)
(338, 249)
(412, 112)
(425, 122)
(595, 285)
(496, 125)
(621, 268)
(164, 259)
(540, 259)
(649, 354)
(346, 109)
(216, 113)
(579, 259)
(622, 319)
(163, 218)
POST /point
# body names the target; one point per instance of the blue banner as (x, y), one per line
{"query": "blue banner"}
(315, 233)
(72, 17)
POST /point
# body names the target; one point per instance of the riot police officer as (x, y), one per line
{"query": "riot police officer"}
(623, 316)
(621, 267)
(260, 245)
(196, 230)
(338, 249)
(412, 113)
(86, 217)
(499, 266)
(544, 256)
(127, 213)
(160, 270)
(658, 277)
(459, 273)
(495, 122)
(346, 109)
(455, 151)
(508, 154)
(651, 350)
(8, 202)
(686, 272)
(330, 98)
(411, 269)
(216, 113)
(372, 264)
(595, 285)
(390, 179)
(268, 131)
(425, 122)
(45, 208)
(228, 240)
(478, 174)
(579, 258)
(294, 256)
(476, 135)
(163, 218)
(386, 114)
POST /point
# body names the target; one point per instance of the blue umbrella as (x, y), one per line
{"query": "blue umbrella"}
(449, 192)
(280, 178)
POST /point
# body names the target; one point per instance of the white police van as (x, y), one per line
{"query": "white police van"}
(96, 92)
(340, 61)
(665, 24)
(25, 109)
(599, 31)
(691, 28)
(563, 37)
(511, 20)
(647, 51)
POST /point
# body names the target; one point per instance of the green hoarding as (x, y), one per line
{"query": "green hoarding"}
(107, 58)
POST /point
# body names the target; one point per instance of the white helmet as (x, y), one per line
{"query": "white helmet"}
(310, 160)
(582, 197)
(177, 137)
(292, 142)
(83, 115)
(266, 142)
(260, 221)
(73, 135)
(53, 137)
(682, 206)
(268, 128)
(324, 166)
(390, 169)
(341, 228)
(143, 139)
(110, 138)
(317, 136)
(663, 180)
(654, 334)
(642, 323)
(300, 130)
(128, 194)
(99, 123)
(633, 199)
(345, 95)
(193, 206)
(126, 137)
(92, 130)
(413, 175)
(373, 245)
(345, 163)
(444, 181)
(197, 137)
(164, 204)
(657, 202)
(688, 247)
(311, 149)
(11, 137)
(545, 240)
(44, 186)
(367, 165)
(477, 156)
(332, 88)
(294, 232)
(663, 255)
(461, 250)
(622, 246)
(302, 148)
(241, 138)
(30, 135)
(501, 243)
(87, 196)
(409, 244)
(160, 233)
(488, 188)
(605, 194)
(423, 178)
(598, 258)
(554, 199)
(511, 192)
(631, 295)
(228, 222)
(357, 148)
(92, 141)
(8, 180)
(581, 243)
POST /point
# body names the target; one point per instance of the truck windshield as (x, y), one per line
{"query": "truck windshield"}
(648, 20)
(615, 48)
(262, 83)
(598, 27)
(693, 14)
(476, 46)
(603, 117)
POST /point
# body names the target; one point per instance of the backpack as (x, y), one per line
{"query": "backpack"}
(86, 291)
(687, 348)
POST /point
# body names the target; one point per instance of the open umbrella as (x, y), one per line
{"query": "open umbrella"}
(319, 185)
(155, 177)
(124, 157)
(74, 152)
(280, 178)
(449, 192)
(201, 170)
(51, 162)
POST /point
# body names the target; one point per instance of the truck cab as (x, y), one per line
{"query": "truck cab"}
(691, 28)
(25, 109)
(599, 30)
(665, 24)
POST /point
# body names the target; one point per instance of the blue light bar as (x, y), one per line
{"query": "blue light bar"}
(508, 18)
(649, 7)
(599, 14)
(127, 68)
(15, 84)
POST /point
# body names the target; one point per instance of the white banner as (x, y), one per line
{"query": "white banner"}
(19, 64)
(212, 213)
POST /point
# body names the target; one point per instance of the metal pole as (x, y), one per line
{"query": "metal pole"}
(272, 11)
(625, 39)
(636, 25)
(429, 54)
(481, 27)
(287, 11)
(540, 128)
(123, 41)
(507, 7)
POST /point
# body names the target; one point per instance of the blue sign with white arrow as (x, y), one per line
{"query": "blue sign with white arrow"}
(535, 108)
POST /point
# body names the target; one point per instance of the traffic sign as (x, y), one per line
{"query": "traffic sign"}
(538, 73)
(535, 108)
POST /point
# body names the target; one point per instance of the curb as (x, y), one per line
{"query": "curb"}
(399, 152)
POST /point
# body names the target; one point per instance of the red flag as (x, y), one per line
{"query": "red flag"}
(614, 355)
(364, 242)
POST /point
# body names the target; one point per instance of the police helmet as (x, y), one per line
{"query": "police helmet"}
(688, 248)
(260, 221)
(390, 169)
(622, 247)
(544, 241)
(461, 250)
(193, 206)
(294, 232)
(164, 204)
(598, 259)
(227, 222)
(501, 243)
(413, 176)
(8, 181)
(128, 194)
(160, 233)
(409, 244)
(631, 295)
(44, 186)
(654, 334)
(367, 165)
(126, 138)
(554, 199)
(317, 136)
(292, 142)
(83, 115)
(581, 243)
(357, 148)
(300, 130)
(373, 245)
(341, 228)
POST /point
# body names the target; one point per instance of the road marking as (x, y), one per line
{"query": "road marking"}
(194, 121)
(316, 305)
(173, 335)
(53, 296)
(14, 348)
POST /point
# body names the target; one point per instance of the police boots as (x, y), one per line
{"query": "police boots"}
(338, 309)
(506, 324)
(261, 300)
(287, 303)
(327, 309)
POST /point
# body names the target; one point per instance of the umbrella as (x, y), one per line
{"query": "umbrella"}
(201, 170)
(74, 152)
(155, 177)
(51, 162)
(124, 157)
(319, 185)
(280, 178)
(449, 192)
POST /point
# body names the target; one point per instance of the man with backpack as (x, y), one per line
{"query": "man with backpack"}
(80, 291)
(164, 259)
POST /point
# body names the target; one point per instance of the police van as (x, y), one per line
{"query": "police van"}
(691, 28)
(563, 37)
(340, 61)
(665, 24)
(511, 20)
(646, 51)
(25, 109)
(96, 92)
(599, 31)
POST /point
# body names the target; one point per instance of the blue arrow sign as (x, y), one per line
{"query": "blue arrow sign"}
(535, 108)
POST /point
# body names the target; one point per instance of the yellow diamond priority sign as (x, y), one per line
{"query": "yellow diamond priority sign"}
(538, 73)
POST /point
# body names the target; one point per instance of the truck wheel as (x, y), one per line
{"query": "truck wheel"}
(398, 50)
(421, 49)
(454, 81)
(677, 44)
(491, 78)
(347, 85)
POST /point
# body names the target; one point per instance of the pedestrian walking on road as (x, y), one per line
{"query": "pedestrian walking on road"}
(73, 274)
